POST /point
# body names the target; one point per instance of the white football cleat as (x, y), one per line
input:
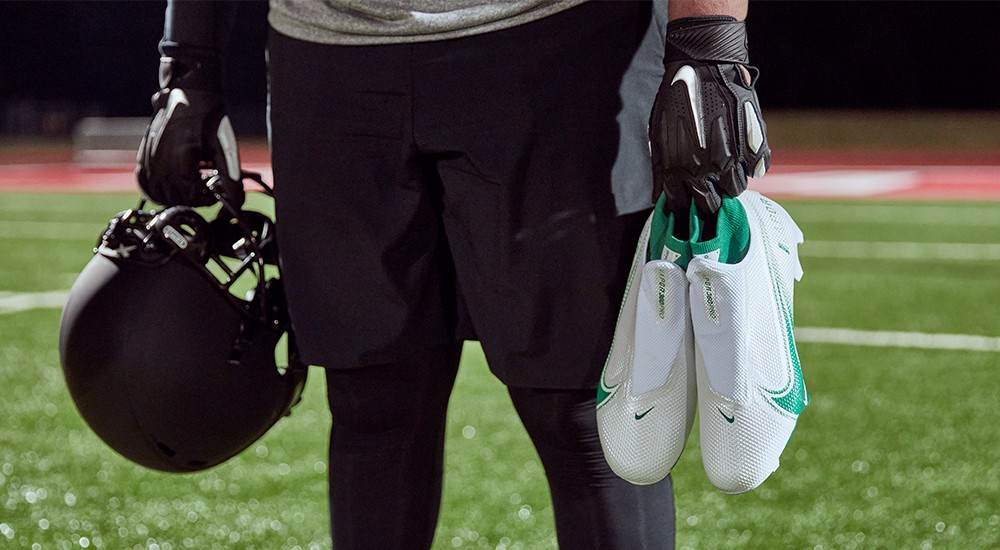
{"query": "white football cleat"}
(750, 385)
(646, 399)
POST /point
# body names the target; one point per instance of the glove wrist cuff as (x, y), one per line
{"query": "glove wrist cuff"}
(190, 73)
(717, 39)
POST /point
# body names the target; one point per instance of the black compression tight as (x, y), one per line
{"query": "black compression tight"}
(386, 461)
(387, 450)
(594, 508)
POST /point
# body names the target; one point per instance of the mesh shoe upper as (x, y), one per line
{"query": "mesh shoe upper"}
(750, 386)
(646, 402)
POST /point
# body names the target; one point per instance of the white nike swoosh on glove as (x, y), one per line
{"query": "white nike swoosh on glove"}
(687, 75)
(227, 140)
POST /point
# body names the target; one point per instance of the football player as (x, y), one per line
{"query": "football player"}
(447, 171)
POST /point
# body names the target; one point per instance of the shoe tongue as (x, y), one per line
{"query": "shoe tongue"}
(664, 243)
(729, 241)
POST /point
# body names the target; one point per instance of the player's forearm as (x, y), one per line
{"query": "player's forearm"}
(677, 9)
(197, 28)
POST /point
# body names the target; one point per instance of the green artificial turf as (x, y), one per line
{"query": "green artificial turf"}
(897, 448)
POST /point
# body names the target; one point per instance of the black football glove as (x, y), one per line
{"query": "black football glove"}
(189, 132)
(706, 131)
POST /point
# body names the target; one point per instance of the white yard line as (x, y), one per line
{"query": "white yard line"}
(881, 338)
(14, 302)
(89, 232)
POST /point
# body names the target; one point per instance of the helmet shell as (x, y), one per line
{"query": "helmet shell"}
(165, 368)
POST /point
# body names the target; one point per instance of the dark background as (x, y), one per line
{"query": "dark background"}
(64, 60)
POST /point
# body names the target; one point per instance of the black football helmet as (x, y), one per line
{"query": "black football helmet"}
(165, 362)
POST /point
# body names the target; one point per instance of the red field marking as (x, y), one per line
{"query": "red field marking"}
(882, 182)
(77, 178)
(912, 157)
(53, 169)
(931, 175)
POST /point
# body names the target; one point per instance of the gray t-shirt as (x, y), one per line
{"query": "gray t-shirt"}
(395, 21)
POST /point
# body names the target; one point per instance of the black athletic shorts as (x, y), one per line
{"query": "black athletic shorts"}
(462, 189)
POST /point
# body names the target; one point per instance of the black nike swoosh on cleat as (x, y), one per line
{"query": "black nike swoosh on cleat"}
(640, 416)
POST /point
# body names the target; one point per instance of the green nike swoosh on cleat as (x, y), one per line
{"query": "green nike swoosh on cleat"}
(605, 392)
(792, 398)
(640, 416)
(729, 419)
